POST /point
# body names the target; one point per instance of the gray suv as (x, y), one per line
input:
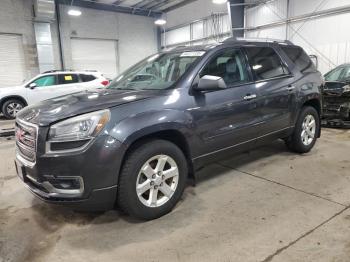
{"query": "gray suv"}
(135, 143)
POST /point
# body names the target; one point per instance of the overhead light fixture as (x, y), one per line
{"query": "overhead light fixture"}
(74, 12)
(219, 2)
(160, 21)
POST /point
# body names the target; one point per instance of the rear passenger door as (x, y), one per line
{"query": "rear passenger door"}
(67, 84)
(275, 84)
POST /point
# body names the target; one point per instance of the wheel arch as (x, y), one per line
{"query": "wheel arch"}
(172, 135)
(315, 103)
(6, 98)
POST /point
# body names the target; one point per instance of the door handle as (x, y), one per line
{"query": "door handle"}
(249, 97)
(290, 88)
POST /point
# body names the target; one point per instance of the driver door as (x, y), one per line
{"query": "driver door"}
(227, 118)
(45, 87)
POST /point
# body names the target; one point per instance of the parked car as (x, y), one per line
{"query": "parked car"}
(336, 96)
(136, 142)
(47, 85)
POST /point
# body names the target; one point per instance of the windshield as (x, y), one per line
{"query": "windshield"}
(339, 74)
(158, 72)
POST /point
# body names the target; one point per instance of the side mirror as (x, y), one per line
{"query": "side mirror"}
(32, 85)
(210, 83)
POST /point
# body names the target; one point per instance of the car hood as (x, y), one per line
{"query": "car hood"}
(53, 110)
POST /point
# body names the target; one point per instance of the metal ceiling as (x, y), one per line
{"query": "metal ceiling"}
(154, 8)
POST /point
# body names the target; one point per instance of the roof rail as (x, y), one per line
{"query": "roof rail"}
(57, 70)
(234, 39)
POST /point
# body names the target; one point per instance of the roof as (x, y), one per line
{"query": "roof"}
(232, 40)
(70, 71)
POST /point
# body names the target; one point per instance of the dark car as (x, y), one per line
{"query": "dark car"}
(135, 143)
(336, 96)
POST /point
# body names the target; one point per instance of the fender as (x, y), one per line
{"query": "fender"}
(144, 124)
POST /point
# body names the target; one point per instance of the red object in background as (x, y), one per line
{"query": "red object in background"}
(105, 82)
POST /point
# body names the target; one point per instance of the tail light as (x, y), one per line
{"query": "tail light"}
(105, 82)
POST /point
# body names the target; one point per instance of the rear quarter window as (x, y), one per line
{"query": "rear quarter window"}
(298, 56)
(87, 78)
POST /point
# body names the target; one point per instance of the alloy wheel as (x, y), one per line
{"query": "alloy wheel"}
(13, 108)
(157, 181)
(308, 130)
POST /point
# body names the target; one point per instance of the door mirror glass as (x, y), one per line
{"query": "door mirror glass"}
(32, 85)
(210, 83)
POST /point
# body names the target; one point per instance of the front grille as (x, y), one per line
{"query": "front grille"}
(26, 140)
(336, 99)
(332, 107)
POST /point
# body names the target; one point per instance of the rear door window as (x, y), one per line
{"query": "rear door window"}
(299, 58)
(87, 78)
(64, 79)
(265, 63)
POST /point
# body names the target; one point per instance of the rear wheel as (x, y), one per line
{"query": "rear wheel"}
(305, 132)
(152, 179)
(11, 107)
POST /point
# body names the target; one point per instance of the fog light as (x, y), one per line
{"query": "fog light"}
(65, 183)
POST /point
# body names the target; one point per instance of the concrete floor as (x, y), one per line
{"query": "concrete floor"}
(266, 205)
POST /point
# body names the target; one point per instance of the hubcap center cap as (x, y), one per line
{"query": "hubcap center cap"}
(158, 180)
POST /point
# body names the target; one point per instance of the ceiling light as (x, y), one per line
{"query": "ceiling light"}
(219, 2)
(74, 12)
(160, 21)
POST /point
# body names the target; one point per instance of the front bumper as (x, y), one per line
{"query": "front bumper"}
(84, 180)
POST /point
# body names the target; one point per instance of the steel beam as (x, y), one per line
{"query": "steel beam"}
(112, 7)
(315, 15)
(237, 17)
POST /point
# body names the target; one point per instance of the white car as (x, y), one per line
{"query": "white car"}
(48, 85)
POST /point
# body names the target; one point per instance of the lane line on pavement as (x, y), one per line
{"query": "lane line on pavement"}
(278, 183)
(280, 250)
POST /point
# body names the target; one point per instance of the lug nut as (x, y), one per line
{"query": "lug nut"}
(153, 176)
(159, 173)
(161, 184)
(155, 187)
(152, 183)
(163, 177)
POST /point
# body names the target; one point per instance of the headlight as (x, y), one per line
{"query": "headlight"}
(346, 88)
(80, 127)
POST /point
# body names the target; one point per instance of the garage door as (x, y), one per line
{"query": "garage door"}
(12, 68)
(95, 54)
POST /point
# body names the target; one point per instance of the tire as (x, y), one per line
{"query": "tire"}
(11, 107)
(302, 141)
(148, 157)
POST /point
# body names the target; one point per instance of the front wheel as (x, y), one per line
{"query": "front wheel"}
(305, 132)
(152, 180)
(11, 107)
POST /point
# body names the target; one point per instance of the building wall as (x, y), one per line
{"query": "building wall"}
(191, 24)
(193, 11)
(324, 37)
(16, 18)
(136, 35)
